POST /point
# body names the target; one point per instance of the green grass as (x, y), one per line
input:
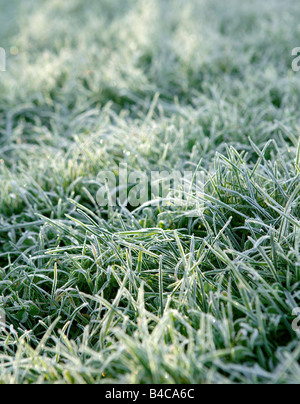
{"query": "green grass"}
(152, 295)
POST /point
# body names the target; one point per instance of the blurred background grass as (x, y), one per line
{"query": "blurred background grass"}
(222, 60)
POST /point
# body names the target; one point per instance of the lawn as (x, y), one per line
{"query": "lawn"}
(199, 289)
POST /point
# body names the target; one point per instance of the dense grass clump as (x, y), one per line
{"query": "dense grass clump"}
(163, 293)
